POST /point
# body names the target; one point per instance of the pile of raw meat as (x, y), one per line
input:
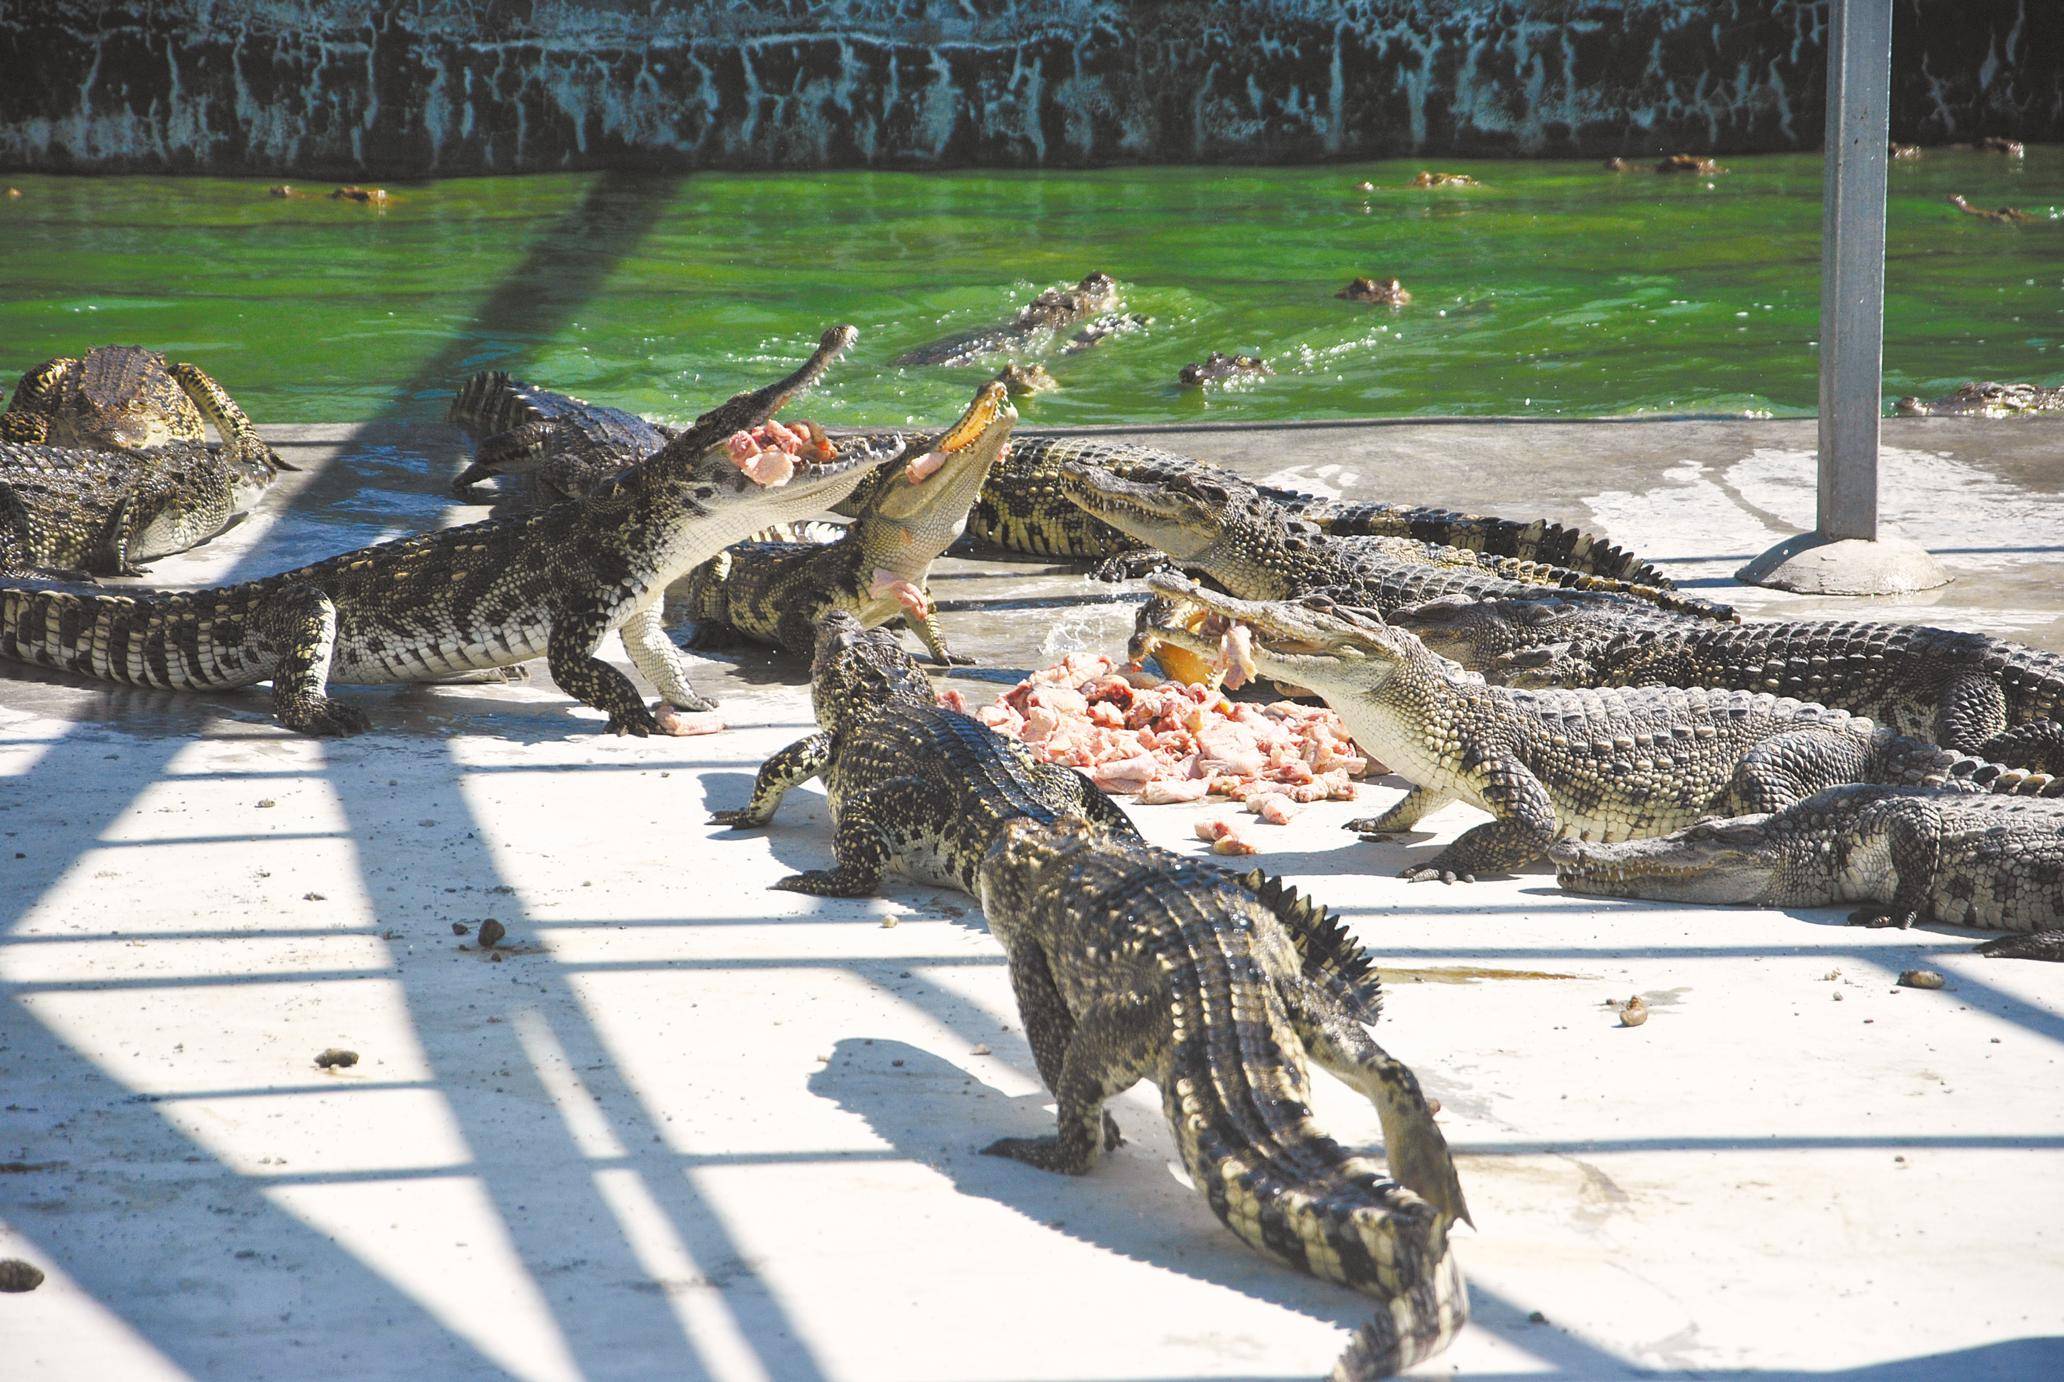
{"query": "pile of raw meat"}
(1168, 742)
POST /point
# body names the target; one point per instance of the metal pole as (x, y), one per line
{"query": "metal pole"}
(1852, 258)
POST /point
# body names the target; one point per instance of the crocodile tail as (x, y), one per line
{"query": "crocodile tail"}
(1235, 1095)
(1329, 954)
(1918, 763)
(488, 403)
(111, 637)
(240, 439)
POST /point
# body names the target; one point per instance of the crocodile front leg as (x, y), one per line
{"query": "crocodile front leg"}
(302, 624)
(570, 656)
(27, 416)
(1418, 803)
(1108, 1052)
(793, 766)
(860, 842)
(656, 657)
(1525, 827)
(1913, 837)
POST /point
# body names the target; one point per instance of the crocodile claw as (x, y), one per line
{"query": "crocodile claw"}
(327, 718)
(1426, 873)
(1879, 918)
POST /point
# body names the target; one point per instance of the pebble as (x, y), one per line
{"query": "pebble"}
(17, 1276)
(491, 933)
(459, 928)
(1921, 979)
(1634, 1012)
(336, 1058)
(266, 803)
(981, 1050)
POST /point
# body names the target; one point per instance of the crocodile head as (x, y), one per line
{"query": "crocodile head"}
(1986, 399)
(1337, 651)
(1097, 292)
(1716, 862)
(946, 472)
(1188, 515)
(122, 398)
(854, 669)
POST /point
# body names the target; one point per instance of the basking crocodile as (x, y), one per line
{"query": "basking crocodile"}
(1966, 691)
(1129, 963)
(1988, 399)
(1609, 764)
(1053, 311)
(1503, 639)
(104, 513)
(1908, 853)
(1250, 546)
(566, 445)
(114, 398)
(924, 790)
(1024, 509)
(775, 592)
(493, 594)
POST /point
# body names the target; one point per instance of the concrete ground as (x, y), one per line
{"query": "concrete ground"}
(685, 1125)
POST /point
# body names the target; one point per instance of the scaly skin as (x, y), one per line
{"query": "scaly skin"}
(566, 445)
(1133, 963)
(107, 512)
(776, 592)
(1053, 311)
(1988, 399)
(1966, 691)
(1597, 764)
(1507, 639)
(1909, 853)
(923, 791)
(114, 398)
(489, 595)
(1245, 543)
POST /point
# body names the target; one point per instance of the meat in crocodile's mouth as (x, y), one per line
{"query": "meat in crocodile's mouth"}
(770, 453)
(974, 424)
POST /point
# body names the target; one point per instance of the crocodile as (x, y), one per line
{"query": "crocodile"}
(1384, 292)
(924, 790)
(566, 445)
(1987, 399)
(1023, 509)
(1053, 311)
(1907, 854)
(1222, 368)
(487, 595)
(1968, 691)
(1503, 639)
(775, 592)
(1610, 763)
(90, 512)
(1999, 215)
(113, 398)
(1025, 380)
(1253, 548)
(1128, 963)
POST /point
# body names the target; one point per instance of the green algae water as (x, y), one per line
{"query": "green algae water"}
(1553, 289)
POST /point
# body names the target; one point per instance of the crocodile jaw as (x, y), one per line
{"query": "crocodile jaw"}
(1166, 519)
(1339, 654)
(1715, 862)
(930, 507)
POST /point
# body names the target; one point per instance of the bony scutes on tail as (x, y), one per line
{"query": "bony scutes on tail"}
(551, 584)
(1132, 963)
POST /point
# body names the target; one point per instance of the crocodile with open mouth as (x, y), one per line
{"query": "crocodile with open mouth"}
(1907, 853)
(487, 595)
(1609, 764)
(775, 592)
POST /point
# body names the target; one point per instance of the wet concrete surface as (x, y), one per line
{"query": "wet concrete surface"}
(690, 1125)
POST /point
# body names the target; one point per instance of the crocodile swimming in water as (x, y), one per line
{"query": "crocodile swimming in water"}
(1988, 399)
(775, 592)
(1608, 764)
(1907, 853)
(1046, 316)
(1967, 691)
(71, 510)
(1250, 546)
(487, 595)
(922, 790)
(566, 445)
(1129, 963)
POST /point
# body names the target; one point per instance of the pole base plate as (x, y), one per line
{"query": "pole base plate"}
(1811, 564)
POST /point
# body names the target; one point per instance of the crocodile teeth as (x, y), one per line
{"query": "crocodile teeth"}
(975, 421)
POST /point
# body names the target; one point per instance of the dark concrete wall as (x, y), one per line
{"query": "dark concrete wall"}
(463, 86)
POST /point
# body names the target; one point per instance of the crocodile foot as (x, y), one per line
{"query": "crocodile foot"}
(324, 716)
(638, 723)
(1427, 873)
(737, 818)
(1371, 826)
(827, 883)
(1127, 566)
(683, 722)
(1879, 918)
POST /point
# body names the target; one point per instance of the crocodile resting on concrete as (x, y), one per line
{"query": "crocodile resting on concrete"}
(1503, 639)
(1908, 853)
(1248, 545)
(1988, 399)
(1965, 691)
(1132, 963)
(114, 398)
(1616, 763)
(775, 592)
(566, 445)
(1053, 311)
(923, 790)
(1024, 508)
(104, 513)
(488, 595)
